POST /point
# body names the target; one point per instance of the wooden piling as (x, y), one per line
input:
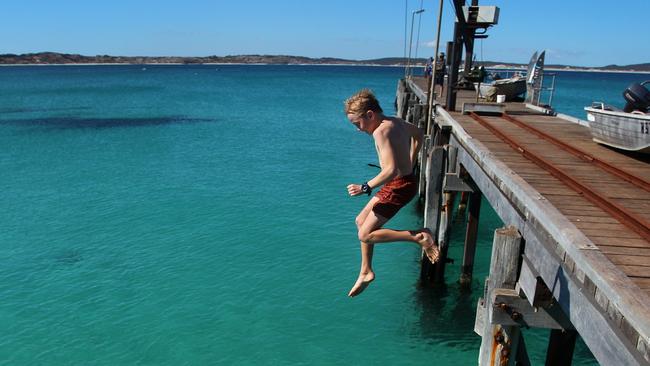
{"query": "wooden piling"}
(462, 205)
(419, 119)
(446, 212)
(402, 98)
(560, 347)
(499, 344)
(467, 266)
(422, 168)
(435, 172)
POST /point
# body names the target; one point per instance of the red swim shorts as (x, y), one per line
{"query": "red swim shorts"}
(395, 195)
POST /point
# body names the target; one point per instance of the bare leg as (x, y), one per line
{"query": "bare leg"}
(370, 233)
(422, 237)
(366, 274)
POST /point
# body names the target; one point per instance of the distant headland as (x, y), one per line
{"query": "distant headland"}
(54, 58)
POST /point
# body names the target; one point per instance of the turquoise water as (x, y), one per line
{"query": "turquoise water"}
(575, 90)
(198, 215)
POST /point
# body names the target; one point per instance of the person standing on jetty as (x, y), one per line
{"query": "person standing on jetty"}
(397, 143)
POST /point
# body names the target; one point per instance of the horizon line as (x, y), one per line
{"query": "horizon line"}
(402, 58)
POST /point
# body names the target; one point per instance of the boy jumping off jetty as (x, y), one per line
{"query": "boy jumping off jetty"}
(397, 143)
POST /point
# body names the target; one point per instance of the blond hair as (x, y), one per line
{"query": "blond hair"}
(361, 102)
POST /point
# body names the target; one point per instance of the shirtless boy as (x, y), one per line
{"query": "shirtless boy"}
(397, 143)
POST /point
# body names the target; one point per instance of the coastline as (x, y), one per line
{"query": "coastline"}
(497, 67)
(505, 67)
(207, 63)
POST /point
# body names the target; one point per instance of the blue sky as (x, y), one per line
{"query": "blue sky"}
(574, 32)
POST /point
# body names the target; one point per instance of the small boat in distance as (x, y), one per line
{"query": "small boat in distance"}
(627, 129)
(516, 85)
(511, 87)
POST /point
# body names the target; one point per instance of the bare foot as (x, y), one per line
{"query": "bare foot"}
(362, 282)
(428, 244)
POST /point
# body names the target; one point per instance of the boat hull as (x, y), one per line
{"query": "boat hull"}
(511, 88)
(626, 131)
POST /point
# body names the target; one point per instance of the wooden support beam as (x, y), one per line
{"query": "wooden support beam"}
(511, 309)
(560, 347)
(467, 266)
(532, 285)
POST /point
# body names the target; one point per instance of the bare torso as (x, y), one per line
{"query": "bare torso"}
(398, 136)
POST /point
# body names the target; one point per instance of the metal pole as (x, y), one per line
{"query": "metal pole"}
(433, 72)
(550, 97)
(406, 22)
(454, 58)
(541, 88)
(408, 62)
(417, 39)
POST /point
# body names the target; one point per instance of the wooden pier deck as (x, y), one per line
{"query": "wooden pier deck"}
(582, 213)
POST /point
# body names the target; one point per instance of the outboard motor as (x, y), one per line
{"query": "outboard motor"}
(637, 97)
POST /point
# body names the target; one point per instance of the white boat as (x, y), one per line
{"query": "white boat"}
(616, 128)
(627, 129)
(516, 85)
(510, 87)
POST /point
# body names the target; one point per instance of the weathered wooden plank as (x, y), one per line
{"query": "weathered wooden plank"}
(635, 204)
(635, 271)
(561, 191)
(591, 219)
(618, 234)
(622, 242)
(582, 206)
(630, 260)
(608, 249)
(615, 227)
(609, 345)
(583, 211)
(642, 282)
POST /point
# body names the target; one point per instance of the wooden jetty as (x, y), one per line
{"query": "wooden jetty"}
(574, 256)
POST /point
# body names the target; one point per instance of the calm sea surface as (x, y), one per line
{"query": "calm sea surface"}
(197, 215)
